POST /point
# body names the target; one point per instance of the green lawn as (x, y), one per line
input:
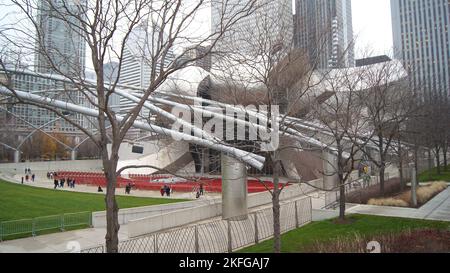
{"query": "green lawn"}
(296, 240)
(444, 176)
(21, 201)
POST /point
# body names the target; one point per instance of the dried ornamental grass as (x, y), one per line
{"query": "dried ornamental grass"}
(391, 202)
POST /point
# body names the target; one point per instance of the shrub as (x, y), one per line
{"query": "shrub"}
(410, 241)
(392, 202)
(362, 196)
(425, 193)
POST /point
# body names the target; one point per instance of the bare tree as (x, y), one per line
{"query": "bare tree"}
(387, 101)
(340, 115)
(262, 68)
(104, 27)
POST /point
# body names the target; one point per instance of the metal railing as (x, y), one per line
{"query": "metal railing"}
(35, 225)
(219, 236)
(332, 197)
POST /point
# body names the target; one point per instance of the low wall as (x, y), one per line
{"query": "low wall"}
(127, 215)
(69, 165)
(186, 216)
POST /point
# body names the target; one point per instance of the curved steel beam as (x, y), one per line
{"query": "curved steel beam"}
(250, 158)
(10, 147)
(36, 129)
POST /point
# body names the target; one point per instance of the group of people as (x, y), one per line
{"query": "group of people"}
(60, 183)
(28, 176)
(51, 175)
(165, 190)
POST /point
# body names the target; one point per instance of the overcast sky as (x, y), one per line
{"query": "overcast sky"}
(372, 26)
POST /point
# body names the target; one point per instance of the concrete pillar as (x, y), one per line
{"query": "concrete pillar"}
(73, 155)
(234, 188)
(16, 156)
(413, 185)
(375, 156)
(330, 176)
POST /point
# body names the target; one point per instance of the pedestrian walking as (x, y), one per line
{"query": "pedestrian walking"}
(27, 177)
(201, 188)
(168, 191)
(22, 179)
(55, 182)
(162, 190)
(128, 188)
(33, 177)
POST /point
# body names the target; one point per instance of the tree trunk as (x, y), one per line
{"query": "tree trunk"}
(340, 171)
(430, 164)
(276, 207)
(413, 186)
(416, 165)
(112, 220)
(444, 150)
(341, 198)
(381, 174)
(400, 165)
(438, 161)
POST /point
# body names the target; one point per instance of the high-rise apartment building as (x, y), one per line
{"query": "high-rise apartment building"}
(422, 41)
(269, 20)
(201, 52)
(324, 29)
(60, 48)
(140, 49)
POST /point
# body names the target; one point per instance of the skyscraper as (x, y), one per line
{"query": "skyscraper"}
(59, 47)
(140, 49)
(271, 20)
(422, 41)
(324, 29)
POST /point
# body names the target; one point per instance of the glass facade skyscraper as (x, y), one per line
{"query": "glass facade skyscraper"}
(422, 41)
(60, 48)
(324, 29)
(267, 20)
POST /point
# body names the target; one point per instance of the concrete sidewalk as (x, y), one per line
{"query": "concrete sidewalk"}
(86, 238)
(43, 182)
(60, 242)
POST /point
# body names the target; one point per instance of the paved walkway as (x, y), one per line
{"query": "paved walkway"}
(85, 238)
(42, 182)
(60, 242)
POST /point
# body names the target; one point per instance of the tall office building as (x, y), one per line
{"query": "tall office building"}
(140, 48)
(422, 41)
(191, 53)
(324, 29)
(268, 19)
(59, 47)
(58, 50)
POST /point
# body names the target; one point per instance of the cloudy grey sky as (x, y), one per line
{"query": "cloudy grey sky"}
(372, 26)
